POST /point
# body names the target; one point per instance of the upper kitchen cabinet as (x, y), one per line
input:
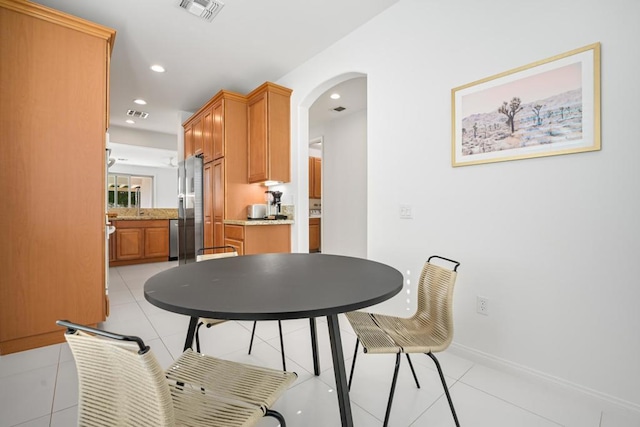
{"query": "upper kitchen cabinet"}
(198, 131)
(188, 141)
(268, 117)
(54, 115)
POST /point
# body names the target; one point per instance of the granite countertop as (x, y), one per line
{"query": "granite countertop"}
(258, 221)
(130, 214)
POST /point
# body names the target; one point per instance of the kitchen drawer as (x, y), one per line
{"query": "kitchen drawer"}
(235, 232)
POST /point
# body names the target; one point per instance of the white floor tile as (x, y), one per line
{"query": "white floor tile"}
(313, 403)
(371, 385)
(39, 422)
(478, 409)
(65, 418)
(27, 396)
(24, 361)
(620, 418)
(66, 393)
(565, 409)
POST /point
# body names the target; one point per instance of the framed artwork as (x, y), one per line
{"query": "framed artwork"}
(546, 108)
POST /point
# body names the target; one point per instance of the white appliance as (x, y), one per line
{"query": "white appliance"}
(256, 211)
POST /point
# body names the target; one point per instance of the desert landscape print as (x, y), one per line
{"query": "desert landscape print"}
(544, 108)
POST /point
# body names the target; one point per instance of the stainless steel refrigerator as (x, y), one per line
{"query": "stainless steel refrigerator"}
(190, 209)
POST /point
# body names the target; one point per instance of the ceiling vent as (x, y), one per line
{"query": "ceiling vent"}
(205, 9)
(139, 114)
(339, 109)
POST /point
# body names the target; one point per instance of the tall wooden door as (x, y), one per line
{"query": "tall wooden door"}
(52, 259)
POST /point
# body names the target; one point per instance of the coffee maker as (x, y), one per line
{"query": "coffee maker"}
(273, 199)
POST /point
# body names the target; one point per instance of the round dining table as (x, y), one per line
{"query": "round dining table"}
(278, 287)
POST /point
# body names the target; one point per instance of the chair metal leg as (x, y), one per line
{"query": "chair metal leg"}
(284, 364)
(393, 389)
(353, 363)
(415, 377)
(446, 389)
(198, 337)
(277, 415)
(253, 332)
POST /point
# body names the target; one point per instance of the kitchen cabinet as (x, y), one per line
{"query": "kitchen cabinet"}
(53, 251)
(207, 202)
(188, 142)
(315, 177)
(314, 234)
(268, 121)
(226, 189)
(258, 239)
(197, 136)
(218, 205)
(141, 241)
(207, 136)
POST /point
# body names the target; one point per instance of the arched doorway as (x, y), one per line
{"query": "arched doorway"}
(342, 126)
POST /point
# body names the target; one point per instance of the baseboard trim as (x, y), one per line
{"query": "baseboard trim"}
(522, 371)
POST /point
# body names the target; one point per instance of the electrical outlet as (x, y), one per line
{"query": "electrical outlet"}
(482, 305)
(406, 212)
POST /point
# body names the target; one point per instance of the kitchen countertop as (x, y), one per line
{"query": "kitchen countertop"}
(258, 221)
(130, 214)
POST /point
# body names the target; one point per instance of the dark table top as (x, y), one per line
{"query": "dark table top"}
(273, 286)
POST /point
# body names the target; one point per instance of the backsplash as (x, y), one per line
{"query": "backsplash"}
(288, 210)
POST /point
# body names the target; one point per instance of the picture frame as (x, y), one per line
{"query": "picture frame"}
(546, 108)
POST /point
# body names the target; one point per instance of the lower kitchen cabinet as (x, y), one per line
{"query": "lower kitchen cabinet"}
(140, 241)
(258, 239)
(314, 235)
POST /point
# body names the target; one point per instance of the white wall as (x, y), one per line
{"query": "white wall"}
(165, 181)
(344, 190)
(552, 242)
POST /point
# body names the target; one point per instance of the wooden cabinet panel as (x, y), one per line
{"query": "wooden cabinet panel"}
(188, 142)
(156, 242)
(238, 245)
(197, 136)
(112, 247)
(267, 239)
(315, 178)
(268, 118)
(314, 234)
(51, 265)
(257, 135)
(258, 239)
(207, 199)
(129, 243)
(207, 136)
(218, 202)
(218, 130)
(140, 241)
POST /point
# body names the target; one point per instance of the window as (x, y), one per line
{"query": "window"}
(129, 191)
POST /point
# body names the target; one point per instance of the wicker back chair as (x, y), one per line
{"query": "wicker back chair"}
(122, 384)
(228, 251)
(428, 331)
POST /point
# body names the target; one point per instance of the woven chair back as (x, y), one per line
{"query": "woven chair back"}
(435, 302)
(118, 386)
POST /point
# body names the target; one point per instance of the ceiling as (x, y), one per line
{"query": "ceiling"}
(135, 155)
(249, 42)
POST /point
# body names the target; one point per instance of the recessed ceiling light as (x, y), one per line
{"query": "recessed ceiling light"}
(335, 96)
(140, 101)
(130, 121)
(157, 68)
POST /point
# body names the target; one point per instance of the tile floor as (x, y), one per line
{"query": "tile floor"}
(39, 387)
